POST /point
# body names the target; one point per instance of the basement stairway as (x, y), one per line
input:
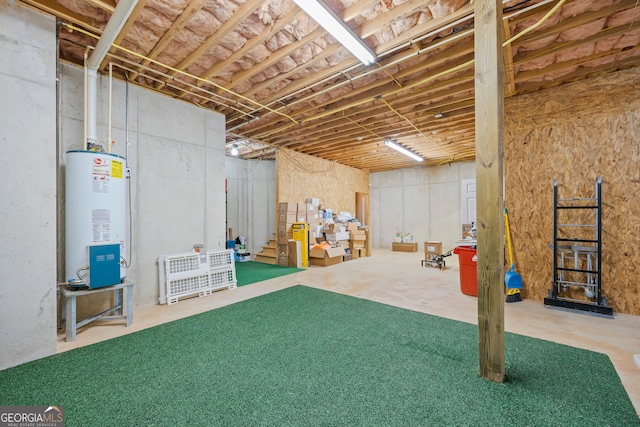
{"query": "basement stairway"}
(269, 254)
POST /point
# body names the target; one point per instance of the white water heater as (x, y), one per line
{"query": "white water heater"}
(95, 208)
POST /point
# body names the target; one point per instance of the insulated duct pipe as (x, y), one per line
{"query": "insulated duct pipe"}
(114, 26)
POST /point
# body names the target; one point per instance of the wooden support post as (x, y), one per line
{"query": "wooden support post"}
(489, 104)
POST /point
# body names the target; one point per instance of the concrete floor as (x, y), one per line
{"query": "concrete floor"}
(398, 279)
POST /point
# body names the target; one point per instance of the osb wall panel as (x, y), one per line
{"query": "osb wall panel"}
(573, 134)
(300, 176)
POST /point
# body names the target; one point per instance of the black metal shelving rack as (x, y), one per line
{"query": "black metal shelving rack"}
(586, 253)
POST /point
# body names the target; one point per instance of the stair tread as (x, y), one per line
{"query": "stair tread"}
(266, 255)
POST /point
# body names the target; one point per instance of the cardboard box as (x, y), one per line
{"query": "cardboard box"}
(432, 247)
(404, 247)
(407, 238)
(283, 255)
(326, 256)
(284, 235)
(302, 209)
(466, 230)
(338, 227)
(356, 244)
(355, 253)
(363, 232)
(347, 257)
(295, 253)
(288, 207)
(311, 209)
(352, 226)
(286, 217)
(358, 237)
(337, 236)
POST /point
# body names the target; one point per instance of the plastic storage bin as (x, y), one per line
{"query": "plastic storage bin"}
(468, 271)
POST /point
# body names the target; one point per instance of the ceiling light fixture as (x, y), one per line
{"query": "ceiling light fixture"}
(338, 29)
(234, 150)
(438, 115)
(402, 150)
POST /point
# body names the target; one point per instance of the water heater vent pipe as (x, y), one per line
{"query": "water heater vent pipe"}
(119, 17)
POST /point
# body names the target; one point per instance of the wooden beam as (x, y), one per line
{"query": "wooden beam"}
(558, 47)
(489, 103)
(301, 83)
(453, 56)
(418, 30)
(239, 15)
(275, 57)
(370, 27)
(65, 14)
(509, 78)
(168, 36)
(106, 5)
(253, 42)
(357, 8)
(576, 21)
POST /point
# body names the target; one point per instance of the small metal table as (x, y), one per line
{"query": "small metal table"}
(70, 297)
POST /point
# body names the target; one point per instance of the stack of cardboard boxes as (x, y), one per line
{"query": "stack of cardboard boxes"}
(357, 240)
(432, 248)
(288, 214)
(325, 255)
(346, 236)
(343, 241)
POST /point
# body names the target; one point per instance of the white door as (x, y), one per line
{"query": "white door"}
(468, 202)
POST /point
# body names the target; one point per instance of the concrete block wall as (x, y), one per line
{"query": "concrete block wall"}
(251, 204)
(177, 161)
(27, 185)
(424, 201)
(176, 154)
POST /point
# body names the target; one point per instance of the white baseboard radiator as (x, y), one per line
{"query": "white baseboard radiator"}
(190, 273)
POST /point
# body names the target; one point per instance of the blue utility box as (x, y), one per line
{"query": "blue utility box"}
(104, 265)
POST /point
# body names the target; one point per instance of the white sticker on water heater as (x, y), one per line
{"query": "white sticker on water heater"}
(101, 225)
(100, 175)
(100, 184)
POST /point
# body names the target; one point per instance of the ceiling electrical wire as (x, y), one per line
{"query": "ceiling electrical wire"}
(536, 25)
(361, 126)
(455, 36)
(251, 112)
(431, 77)
(200, 79)
(146, 76)
(302, 167)
(390, 75)
(399, 114)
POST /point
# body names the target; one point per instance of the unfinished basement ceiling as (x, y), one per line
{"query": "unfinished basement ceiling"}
(282, 81)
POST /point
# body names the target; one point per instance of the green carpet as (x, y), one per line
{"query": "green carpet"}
(306, 357)
(250, 272)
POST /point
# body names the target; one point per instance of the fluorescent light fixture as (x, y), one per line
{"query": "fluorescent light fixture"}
(402, 150)
(338, 29)
(234, 150)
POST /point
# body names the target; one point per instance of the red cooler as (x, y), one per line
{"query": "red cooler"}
(468, 272)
